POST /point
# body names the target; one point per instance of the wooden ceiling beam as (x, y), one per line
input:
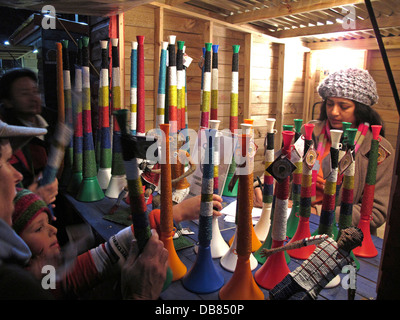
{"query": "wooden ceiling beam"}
(386, 22)
(289, 8)
(370, 43)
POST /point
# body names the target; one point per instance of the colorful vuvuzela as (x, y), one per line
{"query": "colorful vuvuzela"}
(263, 225)
(118, 176)
(161, 85)
(89, 189)
(69, 150)
(166, 218)
(140, 126)
(367, 248)
(242, 286)
(218, 245)
(76, 177)
(104, 172)
(293, 219)
(140, 220)
(303, 227)
(275, 268)
(214, 83)
(204, 277)
(327, 218)
(233, 118)
(133, 96)
(205, 102)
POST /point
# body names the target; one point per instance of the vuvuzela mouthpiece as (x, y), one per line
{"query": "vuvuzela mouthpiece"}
(214, 124)
(335, 138)
(270, 124)
(376, 129)
(309, 127)
(287, 138)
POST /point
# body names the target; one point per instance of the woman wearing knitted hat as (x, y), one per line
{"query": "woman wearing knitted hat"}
(348, 96)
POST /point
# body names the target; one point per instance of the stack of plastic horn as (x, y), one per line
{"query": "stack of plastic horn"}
(140, 220)
(180, 86)
(275, 268)
(69, 150)
(89, 189)
(205, 102)
(218, 245)
(140, 125)
(60, 83)
(204, 277)
(76, 177)
(229, 259)
(268, 193)
(367, 248)
(303, 227)
(247, 128)
(327, 218)
(242, 286)
(233, 118)
(293, 219)
(347, 167)
(263, 225)
(133, 96)
(104, 173)
(118, 177)
(161, 85)
(214, 83)
(166, 218)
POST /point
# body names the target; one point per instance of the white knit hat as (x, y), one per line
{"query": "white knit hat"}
(353, 84)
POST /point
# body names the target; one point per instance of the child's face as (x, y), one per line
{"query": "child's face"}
(41, 237)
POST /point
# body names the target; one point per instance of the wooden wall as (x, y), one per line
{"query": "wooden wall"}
(386, 106)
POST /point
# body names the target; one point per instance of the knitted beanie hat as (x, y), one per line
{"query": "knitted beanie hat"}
(27, 206)
(353, 84)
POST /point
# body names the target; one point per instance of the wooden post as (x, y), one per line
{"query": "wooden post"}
(248, 41)
(280, 94)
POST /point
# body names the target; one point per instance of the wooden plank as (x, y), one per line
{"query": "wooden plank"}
(307, 88)
(280, 95)
(370, 44)
(283, 9)
(210, 17)
(247, 112)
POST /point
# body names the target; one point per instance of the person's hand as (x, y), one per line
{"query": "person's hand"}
(189, 209)
(47, 192)
(257, 198)
(143, 275)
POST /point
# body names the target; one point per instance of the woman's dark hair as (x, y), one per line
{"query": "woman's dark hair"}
(362, 113)
(10, 77)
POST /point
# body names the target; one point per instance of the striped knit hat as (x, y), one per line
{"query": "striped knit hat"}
(27, 206)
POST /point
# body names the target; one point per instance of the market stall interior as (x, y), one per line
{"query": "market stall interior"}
(191, 64)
